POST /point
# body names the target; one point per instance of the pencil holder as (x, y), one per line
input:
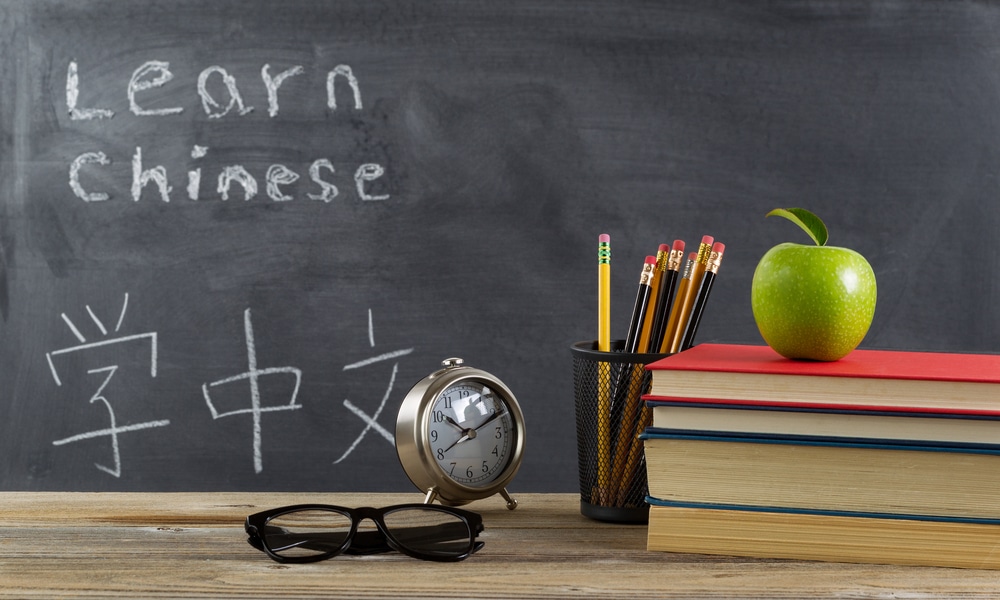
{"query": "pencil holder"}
(610, 415)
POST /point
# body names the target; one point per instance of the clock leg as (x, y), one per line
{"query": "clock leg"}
(511, 503)
(431, 496)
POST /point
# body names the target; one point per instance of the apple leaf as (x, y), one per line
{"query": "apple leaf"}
(809, 222)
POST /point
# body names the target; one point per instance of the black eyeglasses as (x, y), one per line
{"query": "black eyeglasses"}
(311, 532)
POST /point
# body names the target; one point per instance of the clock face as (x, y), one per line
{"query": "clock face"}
(471, 433)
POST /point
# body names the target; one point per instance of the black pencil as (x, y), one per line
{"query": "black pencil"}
(665, 297)
(641, 304)
(711, 270)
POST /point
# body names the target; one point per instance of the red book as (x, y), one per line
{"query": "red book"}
(865, 380)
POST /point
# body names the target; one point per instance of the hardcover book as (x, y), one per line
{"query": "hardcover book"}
(861, 478)
(871, 380)
(803, 536)
(708, 418)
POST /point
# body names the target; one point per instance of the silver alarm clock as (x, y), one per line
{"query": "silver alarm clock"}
(460, 435)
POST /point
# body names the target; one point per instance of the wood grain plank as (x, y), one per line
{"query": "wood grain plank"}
(57, 545)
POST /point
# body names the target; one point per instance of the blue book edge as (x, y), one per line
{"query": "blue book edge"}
(820, 512)
(827, 441)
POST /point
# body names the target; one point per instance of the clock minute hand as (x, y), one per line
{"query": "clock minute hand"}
(468, 433)
(493, 417)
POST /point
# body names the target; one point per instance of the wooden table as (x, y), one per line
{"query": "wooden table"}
(60, 545)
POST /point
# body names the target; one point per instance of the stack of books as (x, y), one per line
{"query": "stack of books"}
(882, 457)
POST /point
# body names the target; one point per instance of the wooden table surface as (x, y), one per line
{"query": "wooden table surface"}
(135, 545)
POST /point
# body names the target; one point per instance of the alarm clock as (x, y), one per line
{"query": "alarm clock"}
(460, 435)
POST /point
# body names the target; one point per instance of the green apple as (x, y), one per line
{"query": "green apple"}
(812, 302)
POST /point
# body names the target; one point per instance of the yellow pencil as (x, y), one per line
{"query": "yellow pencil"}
(604, 369)
(675, 307)
(604, 293)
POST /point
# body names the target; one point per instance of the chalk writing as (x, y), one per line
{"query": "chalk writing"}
(275, 176)
(371, 422)
(272, 85)
(252, 375)
(155, 74)
(139, 83)
(113, 431)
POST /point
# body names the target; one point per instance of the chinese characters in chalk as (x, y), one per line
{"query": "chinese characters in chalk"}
(103, 396)
(371, 422)
(252, 376)
(282, 390)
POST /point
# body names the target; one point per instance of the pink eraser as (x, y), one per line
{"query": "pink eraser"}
(719, 247)
(650, 260)
(604, 238)
(663, 248)
(707, 240)
(679, 245)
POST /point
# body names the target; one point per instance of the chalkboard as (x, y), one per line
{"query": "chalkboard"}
(233, 234)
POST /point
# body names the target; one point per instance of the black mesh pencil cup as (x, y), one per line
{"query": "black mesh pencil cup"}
(610, 415)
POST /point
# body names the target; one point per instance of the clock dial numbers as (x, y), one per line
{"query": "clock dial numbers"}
(471, 433)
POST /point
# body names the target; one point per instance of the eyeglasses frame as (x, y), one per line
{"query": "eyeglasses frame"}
(256, 523)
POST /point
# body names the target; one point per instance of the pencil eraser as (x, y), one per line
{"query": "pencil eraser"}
(604, 238)
(650, 260)
(718, 247)
(693, 256)
(707, 240)
(679, 245)
(663, 248)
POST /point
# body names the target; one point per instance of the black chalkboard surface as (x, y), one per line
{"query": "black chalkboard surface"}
(233, 234)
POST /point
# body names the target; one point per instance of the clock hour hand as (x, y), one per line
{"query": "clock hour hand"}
(451, 421)
(467, 434)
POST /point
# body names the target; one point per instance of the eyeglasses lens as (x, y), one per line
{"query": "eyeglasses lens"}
(307, 533)
(430, 531)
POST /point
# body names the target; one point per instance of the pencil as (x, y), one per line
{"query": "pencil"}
(675, 308)
(711, 270)
(687, 301)
(635, 452)
(603, 368)
(641, 305)
(665, 297)
(646, 333)
(604, 293)
(624, 394)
